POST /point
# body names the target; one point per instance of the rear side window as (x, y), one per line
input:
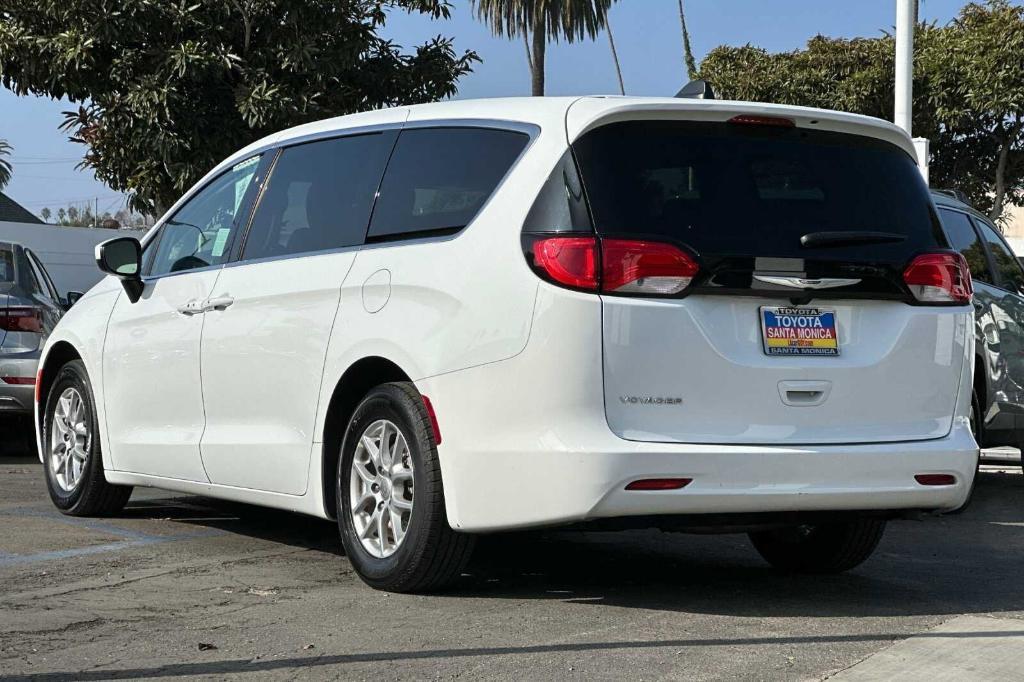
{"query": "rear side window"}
(42, 278)
(964, 239)
(319, 196)
(439, 178)
(732, 190)
(1011, 277)
(30, 278)
(6, 266)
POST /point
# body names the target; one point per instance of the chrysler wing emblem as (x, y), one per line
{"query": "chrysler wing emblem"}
(804, 283)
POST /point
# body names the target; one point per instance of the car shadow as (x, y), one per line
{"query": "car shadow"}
(968, 563)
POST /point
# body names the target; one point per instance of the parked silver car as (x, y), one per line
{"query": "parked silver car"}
(30, 308)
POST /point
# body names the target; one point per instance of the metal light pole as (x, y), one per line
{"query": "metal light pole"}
(906, 20)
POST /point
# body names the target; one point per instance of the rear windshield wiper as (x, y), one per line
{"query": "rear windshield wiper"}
(826, 240)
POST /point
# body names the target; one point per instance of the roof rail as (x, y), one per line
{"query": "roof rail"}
(957, 194)
(697, 90)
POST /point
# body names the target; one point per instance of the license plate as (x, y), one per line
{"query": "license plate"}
(799, 331)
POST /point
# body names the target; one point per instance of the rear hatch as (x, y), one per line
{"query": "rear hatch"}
(799, 324)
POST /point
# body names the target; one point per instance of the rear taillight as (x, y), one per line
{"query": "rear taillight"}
(571, 261)
(21, 319)
(616, 266)
(634, 267)
(939, 278)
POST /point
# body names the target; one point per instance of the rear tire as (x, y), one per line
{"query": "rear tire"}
(427, 555)
(86, 492)
(826, 548)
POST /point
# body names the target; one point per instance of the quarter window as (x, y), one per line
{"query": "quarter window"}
(319, 196)
(199, 234)
(1011, 277)
(6, 266)
(964, 239)
(439, 178)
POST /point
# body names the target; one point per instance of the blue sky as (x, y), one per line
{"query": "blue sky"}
(646, 34)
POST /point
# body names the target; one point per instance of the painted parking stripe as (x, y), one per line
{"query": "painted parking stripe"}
(132, 538)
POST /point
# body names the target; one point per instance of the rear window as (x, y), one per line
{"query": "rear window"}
(734, 190)
(6, 266)
(439, 178)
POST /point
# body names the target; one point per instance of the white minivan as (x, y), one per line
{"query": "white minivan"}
(437, 321)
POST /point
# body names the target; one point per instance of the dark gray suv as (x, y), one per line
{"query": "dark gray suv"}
(998, 411)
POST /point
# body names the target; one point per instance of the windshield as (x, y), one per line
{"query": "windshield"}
(733, 190)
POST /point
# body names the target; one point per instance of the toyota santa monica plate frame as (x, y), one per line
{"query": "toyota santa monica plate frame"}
(798, 331)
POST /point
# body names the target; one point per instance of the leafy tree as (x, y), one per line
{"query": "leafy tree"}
(5, 165)
(168, 89)
(45, 214)
(541, 20)
(968, 92)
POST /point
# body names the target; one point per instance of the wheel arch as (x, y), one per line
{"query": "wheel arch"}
(360, 377)
(61, 353)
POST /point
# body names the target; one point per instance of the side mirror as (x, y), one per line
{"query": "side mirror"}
(72, 298)
(122, 258)
(1020, 259)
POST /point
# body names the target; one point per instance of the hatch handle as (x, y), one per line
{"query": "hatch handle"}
(804, 393)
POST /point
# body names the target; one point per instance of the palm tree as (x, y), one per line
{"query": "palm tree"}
(539, 20)
(615, 56)
(5, 165)
(691, 63)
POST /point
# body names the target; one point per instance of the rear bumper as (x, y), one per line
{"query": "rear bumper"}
(495, 490)
(17, 398)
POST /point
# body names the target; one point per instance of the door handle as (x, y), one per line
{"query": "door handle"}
(218, 303)
(193, 307)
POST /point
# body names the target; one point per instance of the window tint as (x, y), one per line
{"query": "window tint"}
(438, 178)
(199, 233)
(964, 239)
(319, 196)
(741, 191)
(6, 266)
(1008, 269)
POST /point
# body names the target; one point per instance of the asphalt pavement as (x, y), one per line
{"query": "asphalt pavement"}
(183, 586)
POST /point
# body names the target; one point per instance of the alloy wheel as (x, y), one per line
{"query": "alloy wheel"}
(70, 439)
(381, 488)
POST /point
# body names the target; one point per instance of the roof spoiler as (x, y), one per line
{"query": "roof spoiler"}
(697, 90)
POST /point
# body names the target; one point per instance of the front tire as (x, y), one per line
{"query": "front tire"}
(825, 548)
(391, 510)
(72, 458)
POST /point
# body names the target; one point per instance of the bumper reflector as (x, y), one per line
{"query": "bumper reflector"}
(435, 427)
(935, 479)
(659, 484)
(19, 381)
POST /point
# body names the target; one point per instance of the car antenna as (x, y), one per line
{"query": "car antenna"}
(697, 89)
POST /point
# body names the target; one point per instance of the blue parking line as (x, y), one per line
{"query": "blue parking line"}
(90, 524)
(19, 559)
(132, 538)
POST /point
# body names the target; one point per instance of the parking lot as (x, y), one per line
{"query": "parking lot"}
(186, 586)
